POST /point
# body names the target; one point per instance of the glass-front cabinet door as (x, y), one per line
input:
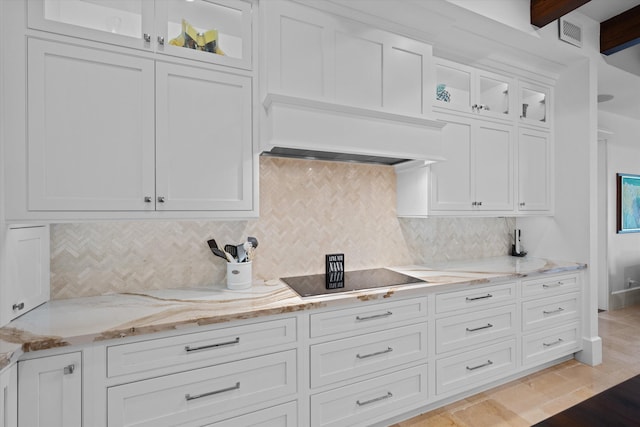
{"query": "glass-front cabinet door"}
(534, 104)
(121, 22)
(217, 31)
(453, 86)
(493, 95)
(207, 30)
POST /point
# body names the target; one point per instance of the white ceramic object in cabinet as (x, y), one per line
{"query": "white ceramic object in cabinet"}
(79, 161)
(362, 403)
(471, 90)
(317, 55)
(363, 319)
(285, 415)
(150, 357)
(475, 298)
(204, 150)
(27, 277)
(151, 25)
(202, 393)
(368, 353)
(534, 170)
(475, 367)
(8, 397)
(50, 391)
(534, 104)
(477, 327)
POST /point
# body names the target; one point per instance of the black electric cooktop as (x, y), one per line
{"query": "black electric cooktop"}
(317, 284)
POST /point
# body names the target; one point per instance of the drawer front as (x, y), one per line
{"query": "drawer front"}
(476, 367)
(370, 316)
(285, 415)
(550, 285)
(351, 357)
(475, 297)
(206, 346)
(478, 327)
(179, 398)
(361, 403)
(548, 312)
(550, 344)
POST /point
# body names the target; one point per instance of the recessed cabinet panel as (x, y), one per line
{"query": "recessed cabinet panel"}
(90, 129)
(404, 85)
(204, 149)
(358, 70)
(301, 57)
(493, 167)
(534, 177)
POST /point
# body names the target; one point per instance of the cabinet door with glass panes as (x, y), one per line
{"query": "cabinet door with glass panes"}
(216, 31)
(470, 90)
(534, 105)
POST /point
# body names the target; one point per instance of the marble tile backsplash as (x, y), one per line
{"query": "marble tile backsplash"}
(307, 209)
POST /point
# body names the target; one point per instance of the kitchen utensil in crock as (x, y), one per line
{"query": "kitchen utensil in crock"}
(232, 250)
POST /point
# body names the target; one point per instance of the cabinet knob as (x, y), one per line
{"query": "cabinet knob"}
(161, 40)
(68, 370)
(147, 199)
(160, 199)
(18, 306)
(147, 37)
(479, 203)
(521, 203)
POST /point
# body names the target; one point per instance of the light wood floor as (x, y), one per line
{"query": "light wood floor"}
(533, 398)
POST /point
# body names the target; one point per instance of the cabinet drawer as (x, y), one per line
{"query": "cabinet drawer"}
(474, 328)
(160, 353)
(367, 317)
(175, 399)
(285, 415)
(475, 367)
(549, 311)
(348, 358)
(381, 397)
(550, 344)
(475, 297)
(550, 286)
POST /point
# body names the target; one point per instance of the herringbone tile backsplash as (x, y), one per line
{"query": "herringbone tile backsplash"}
(307, 209)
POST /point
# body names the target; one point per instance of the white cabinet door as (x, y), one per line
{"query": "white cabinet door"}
(493, 167)
(534, 104)
(534, 170)
(27, 277)
(90, 129)
(478, 172)
(8, 394)
(203, 143)
(50, 391)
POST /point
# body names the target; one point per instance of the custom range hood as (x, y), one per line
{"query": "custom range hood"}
(312, 129)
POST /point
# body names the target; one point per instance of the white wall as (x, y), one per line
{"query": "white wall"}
(623, 156)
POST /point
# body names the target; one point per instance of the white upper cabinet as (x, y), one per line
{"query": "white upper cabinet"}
(534, 104)
(317, 55)
(470, 90)
(534, 171)
(217, 31)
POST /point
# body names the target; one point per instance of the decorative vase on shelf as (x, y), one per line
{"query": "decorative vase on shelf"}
(442, 94)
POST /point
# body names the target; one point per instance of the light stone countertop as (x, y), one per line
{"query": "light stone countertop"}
(79, 321)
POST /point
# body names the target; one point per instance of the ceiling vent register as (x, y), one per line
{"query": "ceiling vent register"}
(570, 32)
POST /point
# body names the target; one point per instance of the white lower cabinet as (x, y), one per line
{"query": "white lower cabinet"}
(50, 391)
(202, 393)
(8, 397)
(285, 415)
(362, 403)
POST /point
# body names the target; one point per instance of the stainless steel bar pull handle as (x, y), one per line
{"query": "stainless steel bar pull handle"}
(18, 306)
(489, 325)
(552, 285)
(377, 353)
(375, 399)
(551, 344)
(489, 363)
(375, 316)
(211, 393)
(68, 370)
(560, 309)
(210, 346)
(482, 297)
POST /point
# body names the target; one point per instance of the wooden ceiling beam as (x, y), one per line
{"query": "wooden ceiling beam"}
(545, 11)
(620, 32)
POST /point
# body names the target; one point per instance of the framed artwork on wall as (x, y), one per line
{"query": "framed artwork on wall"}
(628, 203)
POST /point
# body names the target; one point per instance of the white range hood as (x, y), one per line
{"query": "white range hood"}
(307, 128)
